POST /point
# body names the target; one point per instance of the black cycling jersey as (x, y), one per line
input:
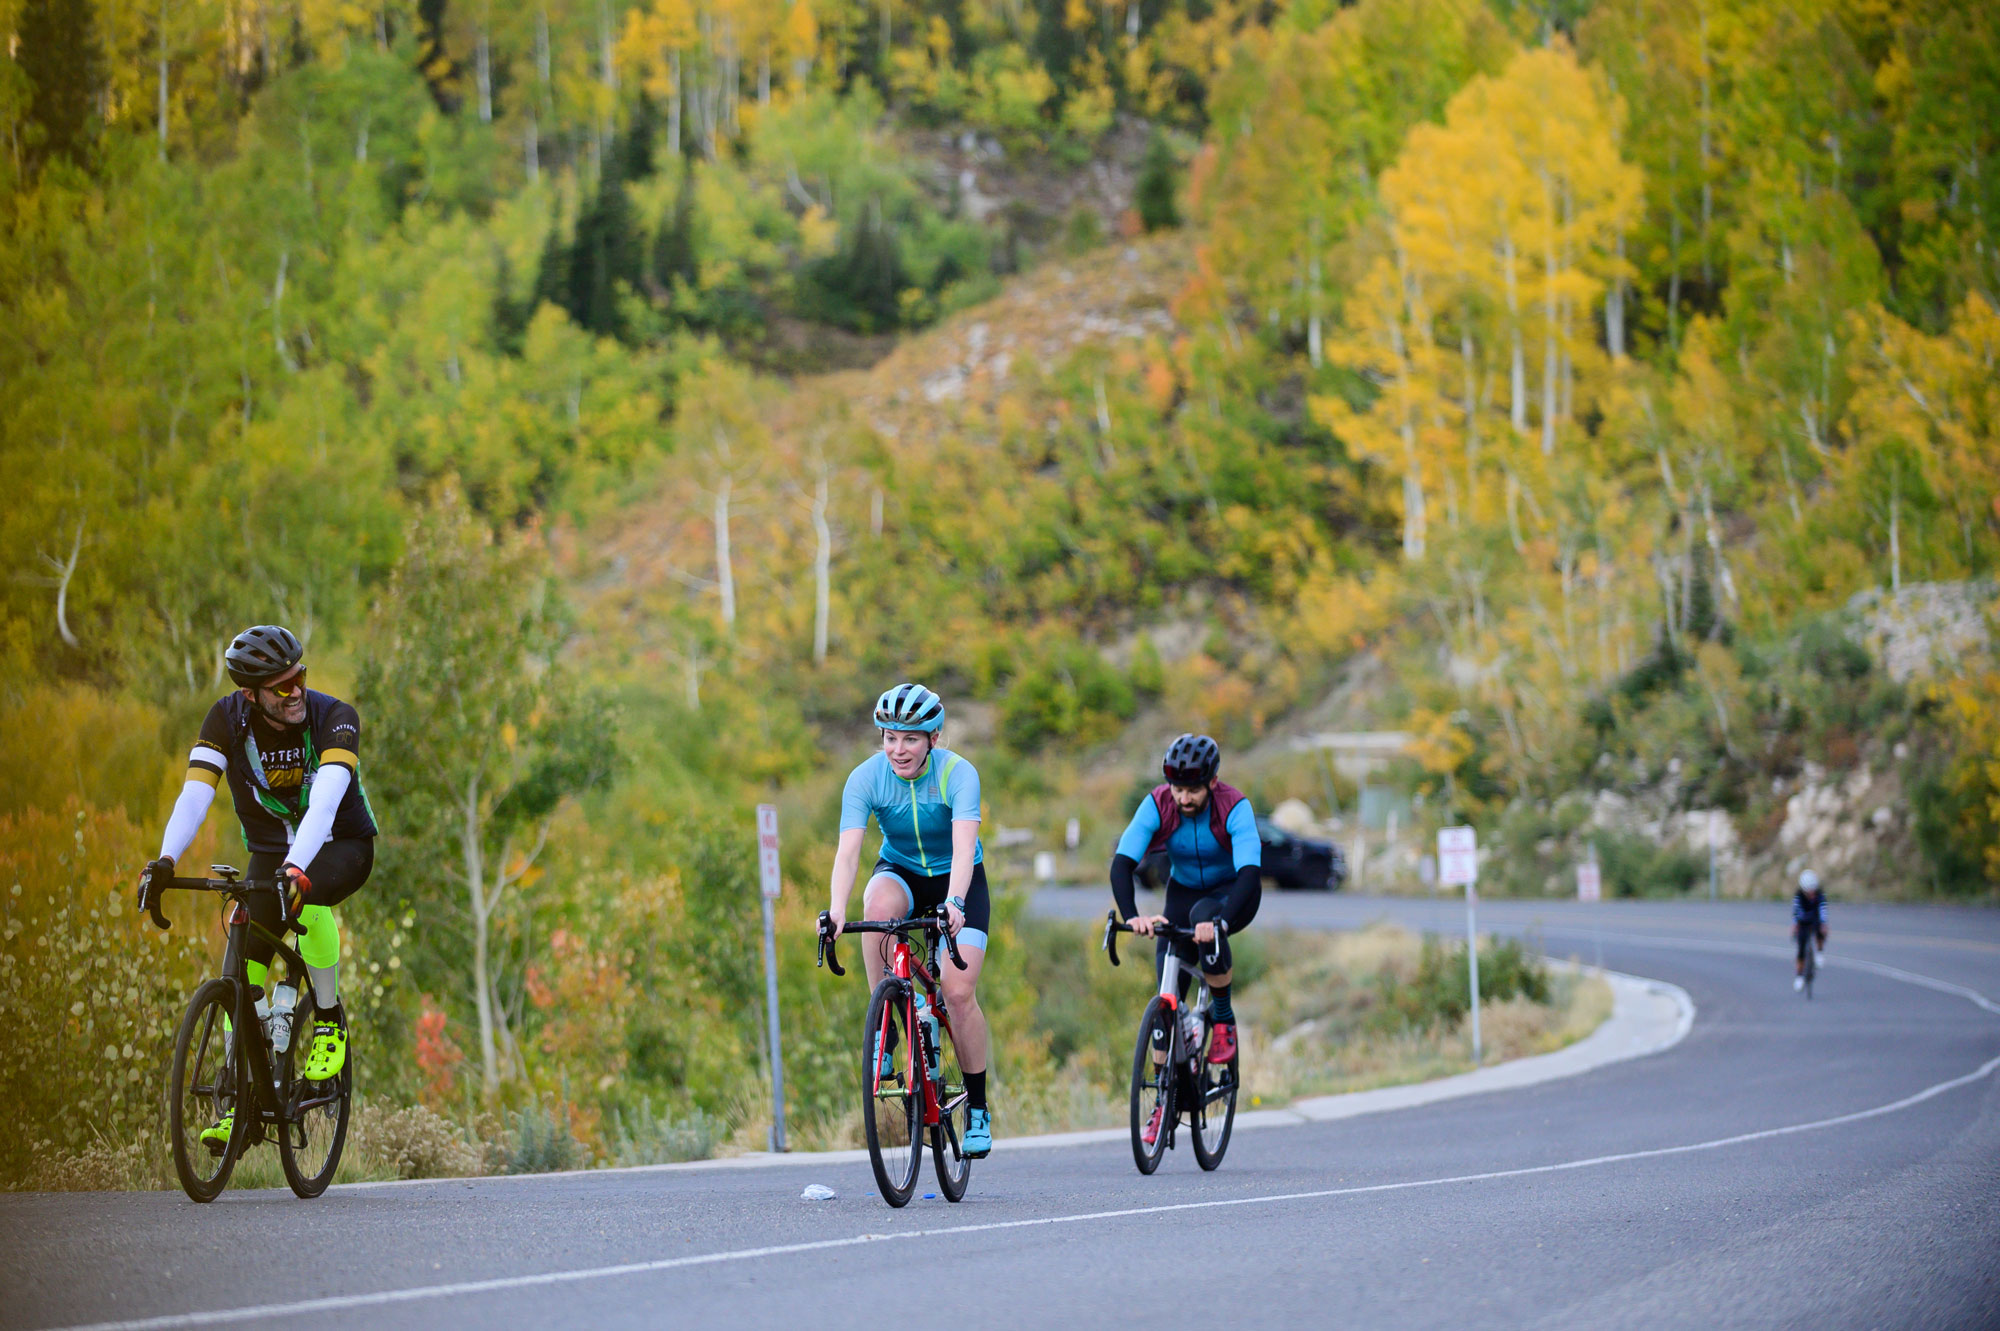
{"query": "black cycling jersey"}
(270, 768)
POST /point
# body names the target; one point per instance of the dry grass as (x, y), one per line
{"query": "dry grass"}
(1313, 1025)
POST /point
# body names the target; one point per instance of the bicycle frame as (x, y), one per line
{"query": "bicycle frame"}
(254, 1048)
(905, 965)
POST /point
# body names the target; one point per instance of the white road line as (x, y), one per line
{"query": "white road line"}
(384, 1298)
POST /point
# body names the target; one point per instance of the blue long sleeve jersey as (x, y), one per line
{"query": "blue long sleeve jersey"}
(1196, 856)
(915, 815)
(1809, 911)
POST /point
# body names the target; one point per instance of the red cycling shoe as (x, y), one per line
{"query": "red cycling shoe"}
(1222, 1044)
(1152, 1132)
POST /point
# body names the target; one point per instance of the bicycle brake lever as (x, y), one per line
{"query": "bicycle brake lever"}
(950, 942)
(829, 942)
(160, 921)
(1111, 936)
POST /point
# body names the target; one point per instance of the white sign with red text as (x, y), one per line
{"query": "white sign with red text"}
(767, 850)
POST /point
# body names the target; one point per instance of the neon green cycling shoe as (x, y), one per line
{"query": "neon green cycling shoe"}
(329, 1051)
(216, 1138)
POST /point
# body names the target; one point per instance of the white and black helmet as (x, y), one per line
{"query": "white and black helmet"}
(1808, 881)
(261, 654)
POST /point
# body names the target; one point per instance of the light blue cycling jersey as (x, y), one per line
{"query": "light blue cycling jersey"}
(915, 815)
(1196, 856)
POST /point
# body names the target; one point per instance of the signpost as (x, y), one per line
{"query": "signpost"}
(1589, 882)
(1458, 862)
(771, 885)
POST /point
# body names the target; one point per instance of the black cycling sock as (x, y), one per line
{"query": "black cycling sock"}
(1219, 1004)
(975, 1090)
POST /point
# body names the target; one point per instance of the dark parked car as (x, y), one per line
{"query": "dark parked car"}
(1289, 861)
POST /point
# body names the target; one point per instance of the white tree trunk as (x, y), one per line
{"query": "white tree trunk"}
(675, 102)
(480, 904)
(163, 80)
(822, 570)
(1517, 382)
(1550, 370)
(483, 73)
(725, 575)
(1614, 308)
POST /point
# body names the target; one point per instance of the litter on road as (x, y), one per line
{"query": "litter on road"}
(817, 1192)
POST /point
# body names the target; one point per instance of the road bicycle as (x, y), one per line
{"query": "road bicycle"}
(230, 1057)
(1172, 1076)
(924, 1092)
(1811, 967)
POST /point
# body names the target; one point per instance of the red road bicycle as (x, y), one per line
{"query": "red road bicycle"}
(923, 1093)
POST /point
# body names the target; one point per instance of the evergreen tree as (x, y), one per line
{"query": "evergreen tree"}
(1153, 194)
(674, 255)
(552, 272)
(865, 280)
(605, 253)
(58, 52)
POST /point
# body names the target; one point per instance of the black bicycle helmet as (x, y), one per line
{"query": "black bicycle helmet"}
(1192, 760)
(261, 654)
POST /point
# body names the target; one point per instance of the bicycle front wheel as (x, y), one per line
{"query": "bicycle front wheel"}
(315, 1130)
(892, 1106)
(207, 1084)
(1153, 1085)
(954, 1166)
(1812, 967)
(1215, 1115)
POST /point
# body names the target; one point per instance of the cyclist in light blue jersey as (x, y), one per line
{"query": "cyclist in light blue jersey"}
(925, 798)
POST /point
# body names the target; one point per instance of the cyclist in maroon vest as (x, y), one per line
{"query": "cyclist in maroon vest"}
(1210, 836)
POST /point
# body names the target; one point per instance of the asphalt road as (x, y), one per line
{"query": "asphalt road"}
(1824, 1164)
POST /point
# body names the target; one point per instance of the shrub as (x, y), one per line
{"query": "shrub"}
(644, 1137)
(543, 1143)
(90, 994)
(1153, 193)
(412, 1143)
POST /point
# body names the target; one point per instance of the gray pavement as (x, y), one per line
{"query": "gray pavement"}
(1824, 1164)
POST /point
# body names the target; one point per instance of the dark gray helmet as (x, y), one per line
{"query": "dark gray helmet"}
(1192, 760)
(261, 654)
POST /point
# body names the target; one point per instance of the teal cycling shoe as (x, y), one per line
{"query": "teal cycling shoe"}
(978, 1141)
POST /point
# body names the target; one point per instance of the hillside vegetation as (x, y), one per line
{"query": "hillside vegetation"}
(617, 396)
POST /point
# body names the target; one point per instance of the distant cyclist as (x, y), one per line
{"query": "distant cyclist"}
(925, 798)
(1808, 922)
(1210, 836)
(290, 756)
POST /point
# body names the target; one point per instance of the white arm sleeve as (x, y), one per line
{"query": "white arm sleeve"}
(329, 785)
(189, 810)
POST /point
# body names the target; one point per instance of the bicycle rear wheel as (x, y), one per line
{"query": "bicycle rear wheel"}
(207, 1083)
(310, 1141)
(1812, 967)
(954, 1167)
(891, 1107)
(1215, 1112)
(1153, 1086)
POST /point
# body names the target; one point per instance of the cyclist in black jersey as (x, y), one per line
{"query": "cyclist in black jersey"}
(291, 757)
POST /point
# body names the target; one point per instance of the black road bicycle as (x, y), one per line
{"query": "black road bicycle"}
(924, 1091)
(225, 1061)
(1172, 1076)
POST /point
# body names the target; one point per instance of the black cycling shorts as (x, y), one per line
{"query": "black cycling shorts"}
(927, 892)
(338, 872)
(1186, 908)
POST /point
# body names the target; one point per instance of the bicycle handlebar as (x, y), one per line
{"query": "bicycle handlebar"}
(238, 887)
(936, 922)
(1113, 926)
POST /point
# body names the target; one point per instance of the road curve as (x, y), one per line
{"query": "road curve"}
(1831, 1164)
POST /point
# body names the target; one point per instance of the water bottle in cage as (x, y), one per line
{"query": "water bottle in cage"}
(277, 1012)
(1190, 1029)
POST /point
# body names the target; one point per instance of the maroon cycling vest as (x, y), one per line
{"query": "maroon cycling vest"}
(1221, 799)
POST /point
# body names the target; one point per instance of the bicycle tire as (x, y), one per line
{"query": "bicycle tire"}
(892, 1121)
(207, 1078)
(308, 1174)
(1153, 1086)
(954, 1167)
(1812, 968)
(1211, 1142)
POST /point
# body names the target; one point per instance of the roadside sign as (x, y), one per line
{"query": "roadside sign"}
(1458, 857)
(772, 884)
(767, 851)
(1589, 882)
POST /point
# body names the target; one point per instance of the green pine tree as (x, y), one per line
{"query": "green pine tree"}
(1159, 181)
(58, 52)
